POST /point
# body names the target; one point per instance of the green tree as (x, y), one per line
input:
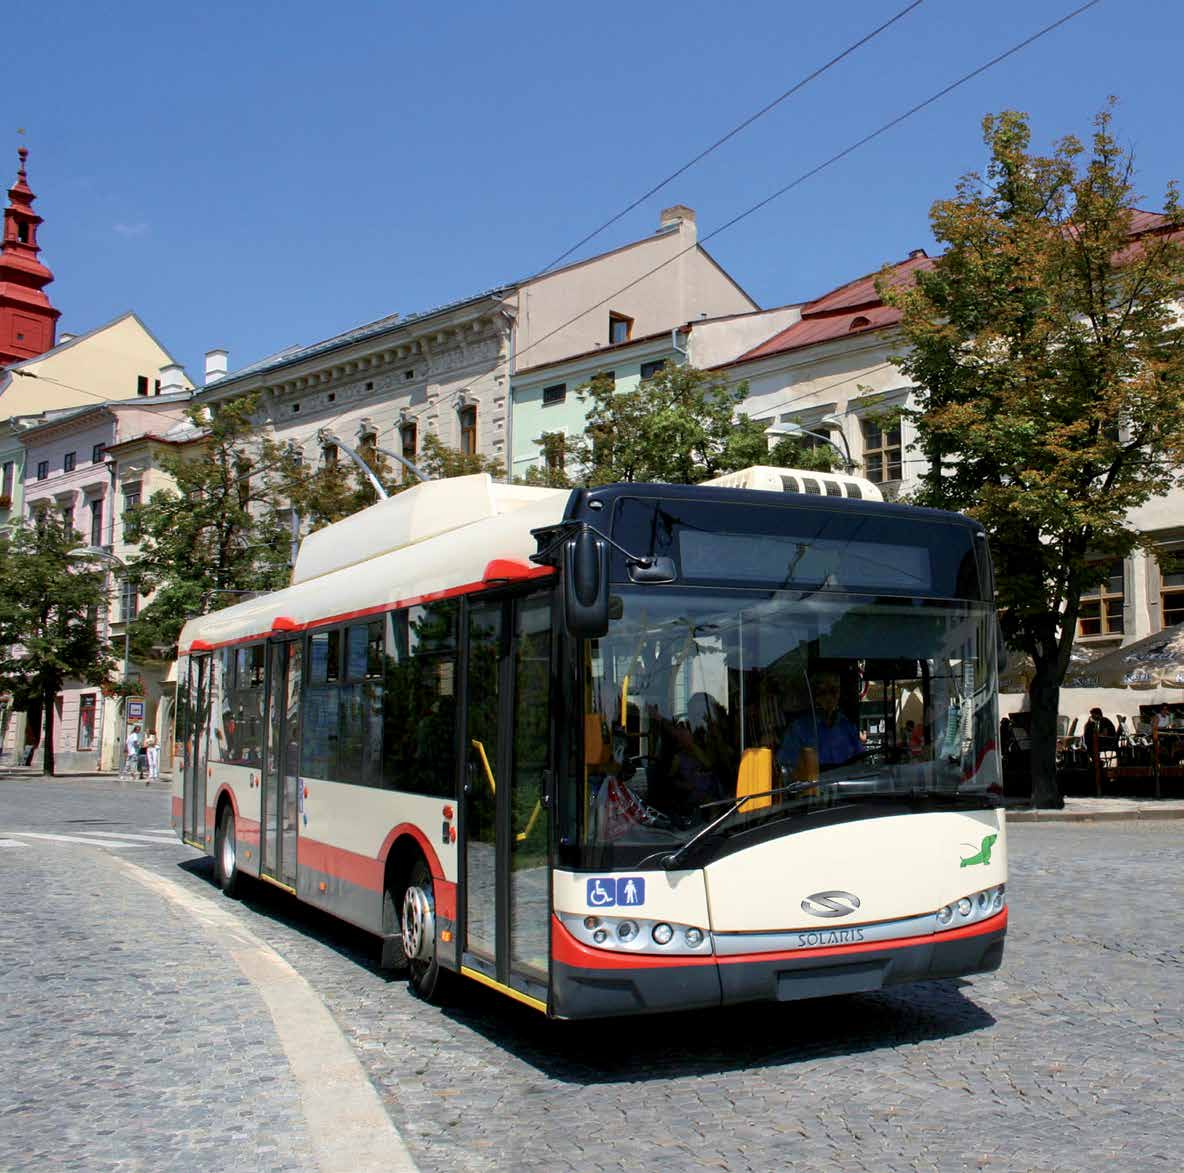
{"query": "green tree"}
(336, 488)
(681, 426)
(49, 607)
(1049, 362)
(223, 531)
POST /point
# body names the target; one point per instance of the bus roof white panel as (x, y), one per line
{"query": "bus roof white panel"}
(429, 567)
(412, 516)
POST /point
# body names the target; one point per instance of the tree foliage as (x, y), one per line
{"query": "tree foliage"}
(49, 605)
(681, 426)
(221, 532)
(1049, 360)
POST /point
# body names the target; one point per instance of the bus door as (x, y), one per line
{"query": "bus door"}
(504, 902)
(197, 734)
(280, 799)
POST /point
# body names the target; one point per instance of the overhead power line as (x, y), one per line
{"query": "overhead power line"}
(719, 142)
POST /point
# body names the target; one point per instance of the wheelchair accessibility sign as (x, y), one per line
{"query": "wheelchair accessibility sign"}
(616, 891)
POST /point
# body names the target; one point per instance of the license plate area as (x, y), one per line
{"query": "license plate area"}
(856, 977)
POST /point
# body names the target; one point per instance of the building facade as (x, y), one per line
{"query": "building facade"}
(448, 372)
(71, 475)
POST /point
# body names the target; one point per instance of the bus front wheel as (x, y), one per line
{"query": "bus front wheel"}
(419, 933)
(226, 853)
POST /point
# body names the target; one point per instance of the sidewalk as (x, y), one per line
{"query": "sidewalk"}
(1100, 810)
(34, 774)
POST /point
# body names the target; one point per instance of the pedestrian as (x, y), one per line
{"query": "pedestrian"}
(1099, 733)
(131, 752)
(152, 750)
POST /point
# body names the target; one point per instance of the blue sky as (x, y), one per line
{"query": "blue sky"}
(258, 175)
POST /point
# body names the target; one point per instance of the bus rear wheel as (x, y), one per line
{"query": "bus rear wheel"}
(226, 853)
(419, 933)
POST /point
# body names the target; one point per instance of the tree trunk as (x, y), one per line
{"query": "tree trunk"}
(1044, 694)
(48, 697)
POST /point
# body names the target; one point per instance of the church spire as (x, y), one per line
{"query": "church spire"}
(28, 321)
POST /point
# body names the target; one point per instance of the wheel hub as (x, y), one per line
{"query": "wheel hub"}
(419, 924)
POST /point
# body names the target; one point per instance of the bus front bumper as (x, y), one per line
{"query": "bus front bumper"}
(597, 983)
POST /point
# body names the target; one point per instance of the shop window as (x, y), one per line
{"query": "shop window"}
(1101, 606)
(86, 721)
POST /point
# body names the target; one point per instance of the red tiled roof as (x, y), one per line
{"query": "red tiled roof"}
(854, 308)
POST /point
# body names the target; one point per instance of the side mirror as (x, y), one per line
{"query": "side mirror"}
(585, 585)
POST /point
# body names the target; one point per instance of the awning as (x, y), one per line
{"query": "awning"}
(1157, 660)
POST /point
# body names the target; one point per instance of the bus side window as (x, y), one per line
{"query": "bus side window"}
(419, 701)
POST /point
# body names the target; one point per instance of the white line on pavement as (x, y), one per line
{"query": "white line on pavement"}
(76, 839)
(12, 843)
(347, 1124)
(132, 835)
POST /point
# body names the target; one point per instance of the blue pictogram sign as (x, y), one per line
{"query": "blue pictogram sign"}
(630, 891)
(619, 891)
(602, 892)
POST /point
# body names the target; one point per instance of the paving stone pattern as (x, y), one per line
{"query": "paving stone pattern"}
(1070, 1058)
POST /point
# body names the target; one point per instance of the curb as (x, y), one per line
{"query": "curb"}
(1132, 816)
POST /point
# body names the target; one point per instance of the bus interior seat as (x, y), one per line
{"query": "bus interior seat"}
(755, 776)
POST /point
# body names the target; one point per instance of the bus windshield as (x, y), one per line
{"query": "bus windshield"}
(696, 698)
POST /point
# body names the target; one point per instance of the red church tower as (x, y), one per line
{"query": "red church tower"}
(28, 322)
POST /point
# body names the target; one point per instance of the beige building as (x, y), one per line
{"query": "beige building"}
(448, 371)
(830, 372)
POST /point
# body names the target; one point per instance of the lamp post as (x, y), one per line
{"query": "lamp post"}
(830, 421)
(98, 554)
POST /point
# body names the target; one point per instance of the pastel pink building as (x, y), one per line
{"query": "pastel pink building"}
(69, 473)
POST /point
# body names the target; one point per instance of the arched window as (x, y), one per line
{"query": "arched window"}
(468, 430)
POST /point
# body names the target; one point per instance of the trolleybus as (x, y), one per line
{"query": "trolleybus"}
(635, 748)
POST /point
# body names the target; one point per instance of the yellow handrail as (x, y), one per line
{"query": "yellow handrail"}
(485, 762)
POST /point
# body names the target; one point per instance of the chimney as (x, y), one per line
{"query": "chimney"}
(917, 252)
(172, 379)
(678, 217)
(64, 338)
(216, 365)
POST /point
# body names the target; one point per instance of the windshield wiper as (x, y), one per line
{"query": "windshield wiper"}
(671, 860)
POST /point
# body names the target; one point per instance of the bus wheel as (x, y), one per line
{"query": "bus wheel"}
(419, 933)
(226, 853)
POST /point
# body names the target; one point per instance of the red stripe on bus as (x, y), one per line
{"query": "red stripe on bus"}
(566, 949)
(360, 870)
(467, 588)
(369, 873)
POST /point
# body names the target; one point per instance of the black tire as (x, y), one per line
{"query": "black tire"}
(226, 854)
(418, 922)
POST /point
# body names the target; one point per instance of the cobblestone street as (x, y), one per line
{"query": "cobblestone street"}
(136, 1041)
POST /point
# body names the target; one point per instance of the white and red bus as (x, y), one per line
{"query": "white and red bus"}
(642, 747)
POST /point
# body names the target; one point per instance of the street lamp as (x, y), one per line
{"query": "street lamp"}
(97, 553)
(829, 421)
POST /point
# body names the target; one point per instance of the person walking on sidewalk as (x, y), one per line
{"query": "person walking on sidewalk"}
(152, 749)
(131, 759)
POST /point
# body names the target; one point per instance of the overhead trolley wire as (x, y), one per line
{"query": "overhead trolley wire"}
(719, 142)
(796, 182)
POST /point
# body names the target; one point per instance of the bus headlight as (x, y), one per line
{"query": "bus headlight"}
(632, 934)
(976, 906)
